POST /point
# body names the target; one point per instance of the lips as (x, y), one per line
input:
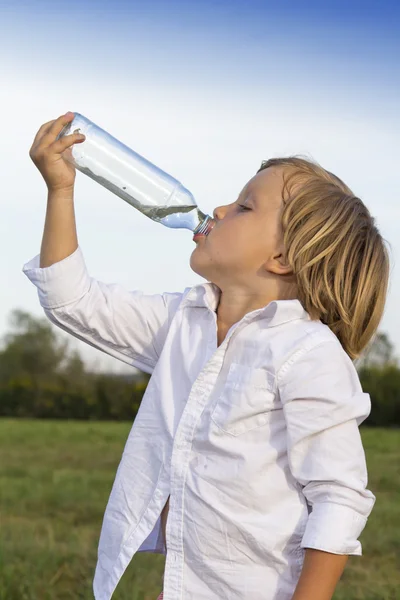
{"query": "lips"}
(198, 236)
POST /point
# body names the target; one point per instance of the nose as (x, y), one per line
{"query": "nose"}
(219, 212)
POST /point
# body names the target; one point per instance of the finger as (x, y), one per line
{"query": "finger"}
(57, 126)
(42, 131)
(66, 141)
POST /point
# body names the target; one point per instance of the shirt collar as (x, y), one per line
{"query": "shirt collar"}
(206, 295)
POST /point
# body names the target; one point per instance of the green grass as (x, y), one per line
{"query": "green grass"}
(55, 479)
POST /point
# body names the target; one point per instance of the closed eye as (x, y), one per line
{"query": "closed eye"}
(244, 207)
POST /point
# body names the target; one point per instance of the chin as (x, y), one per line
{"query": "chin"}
(197, 265)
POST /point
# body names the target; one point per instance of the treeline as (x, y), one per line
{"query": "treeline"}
(41, 378)
(102, 397)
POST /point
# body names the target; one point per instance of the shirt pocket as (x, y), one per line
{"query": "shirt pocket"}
(246, 401)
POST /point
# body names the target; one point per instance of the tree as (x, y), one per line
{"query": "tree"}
(31, 350)
(379, 353)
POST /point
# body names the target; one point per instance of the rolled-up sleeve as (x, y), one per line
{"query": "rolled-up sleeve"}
(129, 325)
(323, 404)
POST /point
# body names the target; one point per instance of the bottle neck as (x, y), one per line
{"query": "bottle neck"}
(205, 225)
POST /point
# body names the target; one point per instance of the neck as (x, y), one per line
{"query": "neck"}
(235, 304)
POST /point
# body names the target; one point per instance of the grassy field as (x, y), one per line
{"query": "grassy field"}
(55, 480)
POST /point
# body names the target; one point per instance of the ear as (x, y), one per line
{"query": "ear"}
(278, 264)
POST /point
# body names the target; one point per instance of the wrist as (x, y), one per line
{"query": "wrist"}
(63, 194)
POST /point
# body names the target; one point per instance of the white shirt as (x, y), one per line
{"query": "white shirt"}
(256, 441)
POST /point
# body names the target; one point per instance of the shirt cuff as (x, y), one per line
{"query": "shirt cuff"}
(61, 283)
(334, 528)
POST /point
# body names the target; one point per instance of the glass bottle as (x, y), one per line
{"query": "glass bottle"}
(133, 178)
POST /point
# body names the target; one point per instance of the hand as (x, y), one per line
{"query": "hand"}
(47, 154)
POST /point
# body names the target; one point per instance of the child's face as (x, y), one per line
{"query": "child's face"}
(244, 248)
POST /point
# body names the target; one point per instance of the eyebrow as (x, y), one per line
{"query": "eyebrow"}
(253, 198)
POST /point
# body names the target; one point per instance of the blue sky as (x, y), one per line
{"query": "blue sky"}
(206, 90)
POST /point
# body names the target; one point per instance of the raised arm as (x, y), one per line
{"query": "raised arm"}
(128, 325)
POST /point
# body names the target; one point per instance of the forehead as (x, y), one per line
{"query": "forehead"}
(265, 188)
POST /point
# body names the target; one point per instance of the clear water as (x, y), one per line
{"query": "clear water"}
(178, 216)
(160, 213)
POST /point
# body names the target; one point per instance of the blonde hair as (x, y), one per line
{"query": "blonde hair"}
(338, 256)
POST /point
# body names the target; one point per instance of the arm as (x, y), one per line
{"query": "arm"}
(47, 153)
(323, 405)
(320, 575)
(59, 234)
(129, 325)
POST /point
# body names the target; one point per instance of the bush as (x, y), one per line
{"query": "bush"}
(383, 385)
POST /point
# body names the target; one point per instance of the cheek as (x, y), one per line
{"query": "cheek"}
(235, 244)
(232, 246)
(223, 248)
